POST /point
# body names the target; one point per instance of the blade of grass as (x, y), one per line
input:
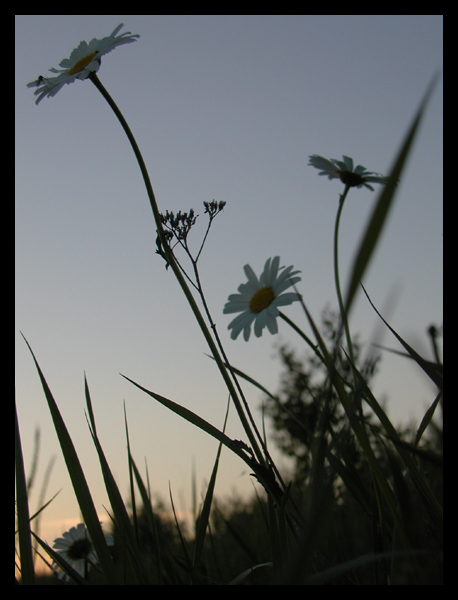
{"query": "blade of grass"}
(355, 563)
(240, 578)
(187, 556)
(205, 513)
(358, 428)
(22, 507)
(436, 367)
(79, 483)
(385, 202)
(34, 465)
(433, 370)
(264, 390)
(61, 562)
(148, 512)
(427, 418)
(430, 502)
(166, 567)
(44, 506)
(131, 476)
(263, 474)
(425, 455)
(346, 470)
(121, 517)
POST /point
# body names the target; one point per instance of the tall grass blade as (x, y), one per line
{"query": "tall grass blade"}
(187, 556)
(385, 201)
(149, 515)
(263, 475)
(433, 370)
(357, 425)
(205, 513)
(131, 477)
(431, 504)
(45, 505)
(61, 562)
(33, 468)
(263, 389)
(79, 483)
(120, 514)
(22, 506)
(427, 418)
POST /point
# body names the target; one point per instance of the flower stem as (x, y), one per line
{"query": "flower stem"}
(343, 312)
(176, 270)
(234, 376)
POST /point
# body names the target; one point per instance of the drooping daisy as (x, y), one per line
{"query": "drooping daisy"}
(76, 548)
(349, 176)
(83, 61)
(258, 299)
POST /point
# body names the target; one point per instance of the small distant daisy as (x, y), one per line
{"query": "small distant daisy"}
(83, 61)
(76, 548)
(349, 176)
(259, 299)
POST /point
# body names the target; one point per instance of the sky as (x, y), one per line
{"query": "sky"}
(225, 107)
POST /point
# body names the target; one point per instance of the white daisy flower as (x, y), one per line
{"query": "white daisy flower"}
(349, 176)
(83, 61)
(259, 299)
(76, 548)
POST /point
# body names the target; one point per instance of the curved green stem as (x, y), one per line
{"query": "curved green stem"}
(343, 311)
(176, 270)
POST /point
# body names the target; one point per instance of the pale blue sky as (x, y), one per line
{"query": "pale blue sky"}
(226, 108)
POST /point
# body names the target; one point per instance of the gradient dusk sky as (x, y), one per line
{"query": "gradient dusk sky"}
(228, 108)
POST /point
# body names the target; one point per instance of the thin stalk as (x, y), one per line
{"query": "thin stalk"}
(176, 270)
(234, 376)
(343, 312)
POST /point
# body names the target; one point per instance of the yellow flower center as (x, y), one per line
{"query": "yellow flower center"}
(82, 63)
(262, 299)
